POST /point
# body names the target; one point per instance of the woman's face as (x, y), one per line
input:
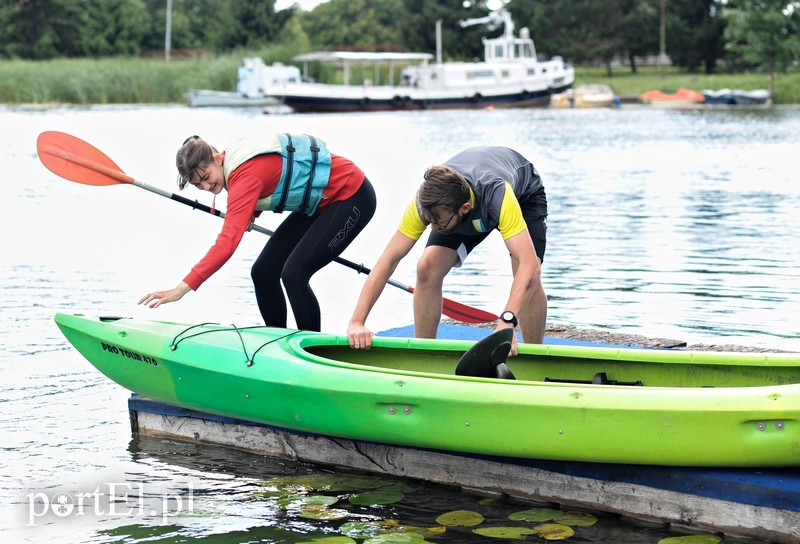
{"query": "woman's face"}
(210, 177)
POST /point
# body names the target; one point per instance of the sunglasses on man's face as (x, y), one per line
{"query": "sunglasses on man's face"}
(434, 220)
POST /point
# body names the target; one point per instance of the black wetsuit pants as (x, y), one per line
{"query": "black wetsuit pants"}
(300, 247)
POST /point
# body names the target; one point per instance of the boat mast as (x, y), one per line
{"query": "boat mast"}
(509, 42)
(438, 41)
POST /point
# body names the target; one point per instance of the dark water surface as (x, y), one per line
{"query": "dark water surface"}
(665, 223)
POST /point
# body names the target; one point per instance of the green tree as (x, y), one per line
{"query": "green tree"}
(255, 23)
(765, 34)
(360, 24)
(418, 27)
(639, 30)
(695, 34)
(42, 29)
(293, 34)
(553, 25)
(192, 21)
(578, 30)
(113, 27)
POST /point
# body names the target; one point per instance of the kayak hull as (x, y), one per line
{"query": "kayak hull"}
(657, 407)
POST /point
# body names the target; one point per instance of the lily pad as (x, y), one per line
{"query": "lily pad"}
(396, 538)
(325, 482)
(553, 531)
(322, 512)
(268, 494)
(512, 533)
(355, 482)
(462, 518)
(576, 519)
(360, 529)
(536, 514)
(301, 501)
(330, 540)
(691, 539)
(392, 525)
(371, 498)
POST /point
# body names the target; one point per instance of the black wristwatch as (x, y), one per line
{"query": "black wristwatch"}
(509, 317)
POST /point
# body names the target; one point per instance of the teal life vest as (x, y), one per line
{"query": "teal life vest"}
(306, 169)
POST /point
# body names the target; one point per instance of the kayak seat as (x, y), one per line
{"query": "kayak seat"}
(487, 358)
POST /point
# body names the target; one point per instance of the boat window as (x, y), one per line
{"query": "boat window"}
(524, 50)
(505, 73)
(480, 73)
(498, 51)
(531, 71)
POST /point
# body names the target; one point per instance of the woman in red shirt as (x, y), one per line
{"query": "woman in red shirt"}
(329, 198)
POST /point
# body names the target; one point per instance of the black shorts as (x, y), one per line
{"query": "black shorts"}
(463, 244)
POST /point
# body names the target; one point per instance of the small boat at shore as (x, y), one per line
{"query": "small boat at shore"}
(592, 95)
(736, 97)
(253, 79)
(642, 406)
(682, 98)
(511, 75)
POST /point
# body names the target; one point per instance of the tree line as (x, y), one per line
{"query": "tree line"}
(700, 35)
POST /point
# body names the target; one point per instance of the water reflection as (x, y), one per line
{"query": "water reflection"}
(671, 224)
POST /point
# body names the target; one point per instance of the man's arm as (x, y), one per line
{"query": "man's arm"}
(398, 247)
(527, 278)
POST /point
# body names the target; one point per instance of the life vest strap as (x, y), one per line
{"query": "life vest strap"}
(290, 149)
(314, 156)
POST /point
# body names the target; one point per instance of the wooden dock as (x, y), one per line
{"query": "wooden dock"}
(757, 503)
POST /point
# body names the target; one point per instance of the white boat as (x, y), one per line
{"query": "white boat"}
(510, 75)
(592, 95)
(736, 97)
(253, 79)
(756, 97)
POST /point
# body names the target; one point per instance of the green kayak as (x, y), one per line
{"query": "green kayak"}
(658, 407)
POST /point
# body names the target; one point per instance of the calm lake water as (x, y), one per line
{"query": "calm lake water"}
(676, 224)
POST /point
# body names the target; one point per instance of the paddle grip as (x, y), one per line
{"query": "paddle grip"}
(194, 204)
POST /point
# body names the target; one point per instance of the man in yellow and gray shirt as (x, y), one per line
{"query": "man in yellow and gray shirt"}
(463, 200)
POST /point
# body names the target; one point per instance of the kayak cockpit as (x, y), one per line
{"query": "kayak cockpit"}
(576, 365)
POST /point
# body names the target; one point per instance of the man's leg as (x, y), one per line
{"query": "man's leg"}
(433, 266)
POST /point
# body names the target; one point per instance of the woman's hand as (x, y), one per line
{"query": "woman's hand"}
(359, 335)
(157, 298)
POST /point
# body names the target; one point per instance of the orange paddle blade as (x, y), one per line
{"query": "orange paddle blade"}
(76, 160)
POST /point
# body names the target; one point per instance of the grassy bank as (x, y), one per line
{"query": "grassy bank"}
(787, 86)
(139, 80)
(115, 80)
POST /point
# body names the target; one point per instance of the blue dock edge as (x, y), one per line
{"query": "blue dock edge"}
(754, 490)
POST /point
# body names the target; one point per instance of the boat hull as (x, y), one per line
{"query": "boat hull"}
(701, 409)
(736, 97)
(304, 101)
(204, 98)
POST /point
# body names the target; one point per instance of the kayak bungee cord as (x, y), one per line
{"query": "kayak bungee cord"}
(251, 360)
(237, 330)
(174, 344)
